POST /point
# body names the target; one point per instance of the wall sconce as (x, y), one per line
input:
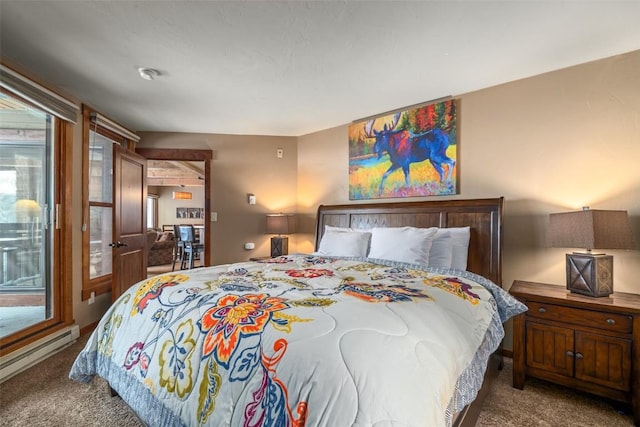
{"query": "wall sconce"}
(182, 195)
(590, 273)
(280, 224)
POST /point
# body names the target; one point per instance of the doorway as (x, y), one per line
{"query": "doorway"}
(186, 155)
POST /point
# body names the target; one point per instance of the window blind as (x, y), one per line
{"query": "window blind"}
(104, 122)
(39, 95)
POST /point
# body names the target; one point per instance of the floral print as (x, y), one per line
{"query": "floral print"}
(380, 293)
(229, 328)
(309, 273)
(152, 288)
(454, 286)
(234, 317)
(133, 355)
(176, 361)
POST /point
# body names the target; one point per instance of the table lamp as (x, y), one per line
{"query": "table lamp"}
(590, 273)
(29, 211)
(280, 224)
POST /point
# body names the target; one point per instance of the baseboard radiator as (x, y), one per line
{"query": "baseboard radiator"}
(24, 358)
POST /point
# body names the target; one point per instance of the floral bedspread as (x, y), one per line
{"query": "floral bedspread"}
(299, 340)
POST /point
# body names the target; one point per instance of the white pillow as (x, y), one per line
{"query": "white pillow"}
(460, 246)
(404, 244)
(344, 243)
(345, 230)
(350, 230)
(441, 252)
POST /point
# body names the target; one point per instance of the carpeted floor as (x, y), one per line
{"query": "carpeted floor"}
(45, 396)
(166, 268)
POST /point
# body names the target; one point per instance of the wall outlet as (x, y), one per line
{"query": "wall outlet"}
(249, 246)
(92, 298)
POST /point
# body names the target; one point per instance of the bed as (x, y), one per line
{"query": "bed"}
(395, 319)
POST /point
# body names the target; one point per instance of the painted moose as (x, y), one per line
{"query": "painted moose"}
(405, 147)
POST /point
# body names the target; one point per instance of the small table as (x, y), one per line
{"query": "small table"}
(590, 344)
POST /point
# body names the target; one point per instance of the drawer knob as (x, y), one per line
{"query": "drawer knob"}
(578, 355)
(611, 322)
(542, 310)
(569, 353)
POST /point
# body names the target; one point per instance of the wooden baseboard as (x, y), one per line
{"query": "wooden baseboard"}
(507, 353)
(88, 328)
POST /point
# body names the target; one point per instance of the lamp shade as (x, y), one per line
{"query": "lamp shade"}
(280, 224)
(27, 207)
(590, 229)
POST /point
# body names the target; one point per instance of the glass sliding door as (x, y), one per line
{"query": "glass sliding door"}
(26, 195)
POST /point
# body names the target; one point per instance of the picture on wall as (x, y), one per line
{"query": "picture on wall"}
(410, 153)
(182, 212)
(190, 213)
(196, 213)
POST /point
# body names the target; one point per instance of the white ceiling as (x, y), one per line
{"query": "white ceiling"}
(292, 68)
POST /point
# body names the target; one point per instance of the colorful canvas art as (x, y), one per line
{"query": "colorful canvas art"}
(411, 153)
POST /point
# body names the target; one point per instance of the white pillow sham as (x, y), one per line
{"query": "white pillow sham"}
(441, 249)
(460, 246)
(403, 244)
(345, 229)
(450, 248)
(344, 243)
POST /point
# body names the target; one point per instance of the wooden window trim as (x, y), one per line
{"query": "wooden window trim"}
(99, 285)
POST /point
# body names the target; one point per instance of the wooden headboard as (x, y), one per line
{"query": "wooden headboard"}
(484, 216)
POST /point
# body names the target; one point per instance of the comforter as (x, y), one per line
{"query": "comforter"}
(300, 340)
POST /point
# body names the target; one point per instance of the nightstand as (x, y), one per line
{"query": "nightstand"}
(590, 344)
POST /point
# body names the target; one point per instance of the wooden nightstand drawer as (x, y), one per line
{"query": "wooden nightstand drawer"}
(594, 319)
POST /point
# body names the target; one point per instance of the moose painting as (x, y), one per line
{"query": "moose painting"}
(406, 154)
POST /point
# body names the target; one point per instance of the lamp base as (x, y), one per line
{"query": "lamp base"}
(279, 246)
(590, 274)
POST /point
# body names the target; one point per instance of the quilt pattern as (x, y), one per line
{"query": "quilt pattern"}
(292, 341)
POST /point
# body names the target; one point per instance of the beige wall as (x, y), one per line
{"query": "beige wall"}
(241, 165)
(550, 143)
(167, 205)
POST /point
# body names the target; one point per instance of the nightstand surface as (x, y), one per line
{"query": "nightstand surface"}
(617, 301)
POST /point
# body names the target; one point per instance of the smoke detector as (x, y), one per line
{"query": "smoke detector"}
(148, 73)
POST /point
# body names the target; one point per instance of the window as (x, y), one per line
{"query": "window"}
(100, 135)
(34, 140)
(152, 211)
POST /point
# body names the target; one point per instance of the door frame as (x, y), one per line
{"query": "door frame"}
(192, 155)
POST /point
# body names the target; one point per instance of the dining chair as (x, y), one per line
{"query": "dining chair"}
(190, 246)
(178, 246)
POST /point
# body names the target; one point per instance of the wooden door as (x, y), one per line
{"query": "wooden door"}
(603, 360)
(130, 220)
(550, 348)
